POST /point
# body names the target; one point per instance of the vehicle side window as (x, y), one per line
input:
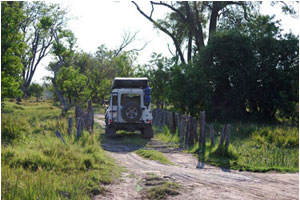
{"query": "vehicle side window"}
(126, 98)
(114, 100)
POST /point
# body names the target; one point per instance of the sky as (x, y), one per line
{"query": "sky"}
(105, 22)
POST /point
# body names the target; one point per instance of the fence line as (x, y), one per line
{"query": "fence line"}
(186, 125)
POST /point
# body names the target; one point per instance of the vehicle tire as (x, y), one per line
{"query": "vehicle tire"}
(110, 132)
(147, 133)
(131, 112)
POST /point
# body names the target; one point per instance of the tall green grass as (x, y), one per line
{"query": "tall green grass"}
(35, 164)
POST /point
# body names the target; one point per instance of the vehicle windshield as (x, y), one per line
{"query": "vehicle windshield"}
(130, 98)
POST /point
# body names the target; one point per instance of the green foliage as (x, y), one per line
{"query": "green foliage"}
(228, 61)
(95, 70)
(37, 165)
(253, 70)
(12, 48)
(73, 84)
(276, 70)
(154, 155)
(189, 89)
(36, 90)
(158, 73)
(43, 24)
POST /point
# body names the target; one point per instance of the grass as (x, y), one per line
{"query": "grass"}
(35, 164)
(165, 135)
(257, 148)
(154, 155)
(157, 188)
(253, 147)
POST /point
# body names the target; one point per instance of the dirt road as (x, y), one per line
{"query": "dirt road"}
(206, 183)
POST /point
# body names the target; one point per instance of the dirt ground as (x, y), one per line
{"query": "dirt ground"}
(206, 183)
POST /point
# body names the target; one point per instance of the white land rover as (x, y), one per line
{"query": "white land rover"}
(129, 107)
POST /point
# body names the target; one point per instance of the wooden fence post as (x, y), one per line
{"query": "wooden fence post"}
(227, 137)
(60, 136)
(173, 127)
(159, 119)
(79, 127)
(89, 118)
(212, 135)
(177, 116)
(154, 117)
(202, 141)
(202, 129)
(182, 128)
(187, 131)
(70, 126)
(222, 138)
(191, 131)
(195, 129)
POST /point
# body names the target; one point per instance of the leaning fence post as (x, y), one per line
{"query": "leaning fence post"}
(212, 135)
(60, 136)
(70, 126)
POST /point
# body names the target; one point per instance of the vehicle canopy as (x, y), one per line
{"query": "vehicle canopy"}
(128, 82)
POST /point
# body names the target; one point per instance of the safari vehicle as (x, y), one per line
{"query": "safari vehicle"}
(129, 107)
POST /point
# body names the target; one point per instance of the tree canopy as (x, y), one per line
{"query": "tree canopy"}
(229, 60)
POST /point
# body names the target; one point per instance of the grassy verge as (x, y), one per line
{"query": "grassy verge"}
(154, 155)
(253, 147)
(157, 188)
(35, 164)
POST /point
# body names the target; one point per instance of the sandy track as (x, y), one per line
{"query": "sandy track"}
(206, 183)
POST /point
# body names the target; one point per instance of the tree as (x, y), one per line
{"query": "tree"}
(159, 78)
(253, 70)
(72, 84)
(41, 23)
(35, 90)
(12, 47)
(187, 20)
(63, 50)
(189, 89)
(277, 68)
(229, 63)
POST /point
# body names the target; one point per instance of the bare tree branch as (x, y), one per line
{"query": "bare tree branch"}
(176, 43)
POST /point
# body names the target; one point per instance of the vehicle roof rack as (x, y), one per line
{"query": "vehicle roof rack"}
(129, 82)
